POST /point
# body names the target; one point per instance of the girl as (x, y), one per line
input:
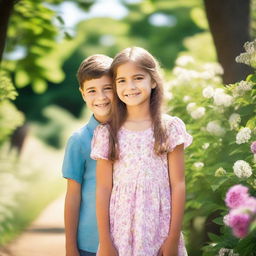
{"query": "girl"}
(140, 190)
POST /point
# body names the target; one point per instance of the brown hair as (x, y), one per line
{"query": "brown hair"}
(143, 59)
(93, 67)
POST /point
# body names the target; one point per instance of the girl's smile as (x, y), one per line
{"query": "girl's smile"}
(133, 85)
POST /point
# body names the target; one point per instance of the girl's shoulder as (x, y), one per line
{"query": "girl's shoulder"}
(101, 130)
(169, 120)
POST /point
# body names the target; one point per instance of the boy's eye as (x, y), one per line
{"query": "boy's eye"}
(91, 91)
(139, 77)
(108, 88)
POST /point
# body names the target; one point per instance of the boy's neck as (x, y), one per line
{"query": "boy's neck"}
(101, 119)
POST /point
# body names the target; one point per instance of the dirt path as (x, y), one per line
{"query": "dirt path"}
(45, 237)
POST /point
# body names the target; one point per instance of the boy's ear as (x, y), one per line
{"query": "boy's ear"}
(82, 93)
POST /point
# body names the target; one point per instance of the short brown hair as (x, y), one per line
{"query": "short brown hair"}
(93, 67)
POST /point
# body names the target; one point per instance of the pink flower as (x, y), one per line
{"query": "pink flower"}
(250, 204)
(236, 196)
(253, 147)
(239, 221)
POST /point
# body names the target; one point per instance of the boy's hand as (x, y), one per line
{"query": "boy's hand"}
(73, 252)
(107, 250)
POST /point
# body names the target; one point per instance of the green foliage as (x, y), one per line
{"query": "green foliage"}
(7, 90)
(10, 117)
(208, 109)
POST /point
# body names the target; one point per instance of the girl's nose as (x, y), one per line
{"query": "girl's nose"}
(131, 85)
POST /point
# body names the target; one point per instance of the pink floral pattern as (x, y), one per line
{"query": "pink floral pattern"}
(140, 201)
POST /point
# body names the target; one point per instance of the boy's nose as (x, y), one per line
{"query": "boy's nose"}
(102, 95)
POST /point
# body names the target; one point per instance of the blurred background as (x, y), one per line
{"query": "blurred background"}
(42, 44)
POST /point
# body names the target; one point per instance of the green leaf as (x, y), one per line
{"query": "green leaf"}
(218, 221)
(21, 78)
(219, 183)
(60, 19)
(214, 237)
(251, 78)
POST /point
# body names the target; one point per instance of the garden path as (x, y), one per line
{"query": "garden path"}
(45, 236)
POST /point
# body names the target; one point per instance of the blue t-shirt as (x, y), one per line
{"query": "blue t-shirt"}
(78, 166)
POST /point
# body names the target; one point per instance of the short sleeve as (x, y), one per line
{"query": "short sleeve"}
(100, 143)
(177, 133)
(74, 160)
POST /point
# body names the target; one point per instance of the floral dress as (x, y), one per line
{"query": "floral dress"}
(140, 203)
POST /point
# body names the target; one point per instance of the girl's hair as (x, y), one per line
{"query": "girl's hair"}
(144, 60)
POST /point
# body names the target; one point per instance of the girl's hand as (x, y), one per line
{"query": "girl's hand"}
(168, 249)
(107, 250)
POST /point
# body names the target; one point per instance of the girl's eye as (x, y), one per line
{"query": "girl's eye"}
(120, 81)
(91, 91)
(139, 78)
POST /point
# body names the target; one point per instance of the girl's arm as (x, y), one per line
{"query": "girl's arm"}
(177, 181)
(71, 215)
(104, 177)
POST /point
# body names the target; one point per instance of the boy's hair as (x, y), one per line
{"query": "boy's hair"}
(93, 67)
(144, 60)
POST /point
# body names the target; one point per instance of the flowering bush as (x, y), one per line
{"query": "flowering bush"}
(242, 213)
(222, 121)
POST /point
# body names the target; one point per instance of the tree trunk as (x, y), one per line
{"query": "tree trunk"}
(6, 7)
(229, 22)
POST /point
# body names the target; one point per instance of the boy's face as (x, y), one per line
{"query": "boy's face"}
(98, 95)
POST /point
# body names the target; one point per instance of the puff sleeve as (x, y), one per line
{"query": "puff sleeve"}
(100, 143)
(177, 133)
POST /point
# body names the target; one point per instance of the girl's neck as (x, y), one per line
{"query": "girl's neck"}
(138, 114)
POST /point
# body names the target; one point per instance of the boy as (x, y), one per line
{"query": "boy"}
(78, 168)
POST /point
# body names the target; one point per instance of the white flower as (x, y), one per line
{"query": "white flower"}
(186, 98)
(191, 106)
(227, 252)
(184, 60)
(234, 121)
(242, 169)
(214, 128)
(221, 98)
(208, 92)
(168, 95)
(206, 145)
(243, 135)
(248, 57)
(242, 88)
(198, 113)
(199, 165)
(220, 172)
(214, 67)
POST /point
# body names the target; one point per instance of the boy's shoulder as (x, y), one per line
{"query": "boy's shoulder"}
(81, 135)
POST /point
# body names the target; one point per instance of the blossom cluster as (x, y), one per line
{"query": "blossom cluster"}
(242, 212)
(248, 57)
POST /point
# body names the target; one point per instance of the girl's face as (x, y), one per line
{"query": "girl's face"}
(133, 84)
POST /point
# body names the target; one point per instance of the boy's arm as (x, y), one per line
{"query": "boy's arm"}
(104, 177)
(71, 216)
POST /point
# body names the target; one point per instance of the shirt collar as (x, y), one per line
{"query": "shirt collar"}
(92, 124)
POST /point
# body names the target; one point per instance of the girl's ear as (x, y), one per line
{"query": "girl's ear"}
(153, 85)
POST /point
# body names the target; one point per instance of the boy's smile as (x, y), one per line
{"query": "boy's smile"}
(98, 95)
